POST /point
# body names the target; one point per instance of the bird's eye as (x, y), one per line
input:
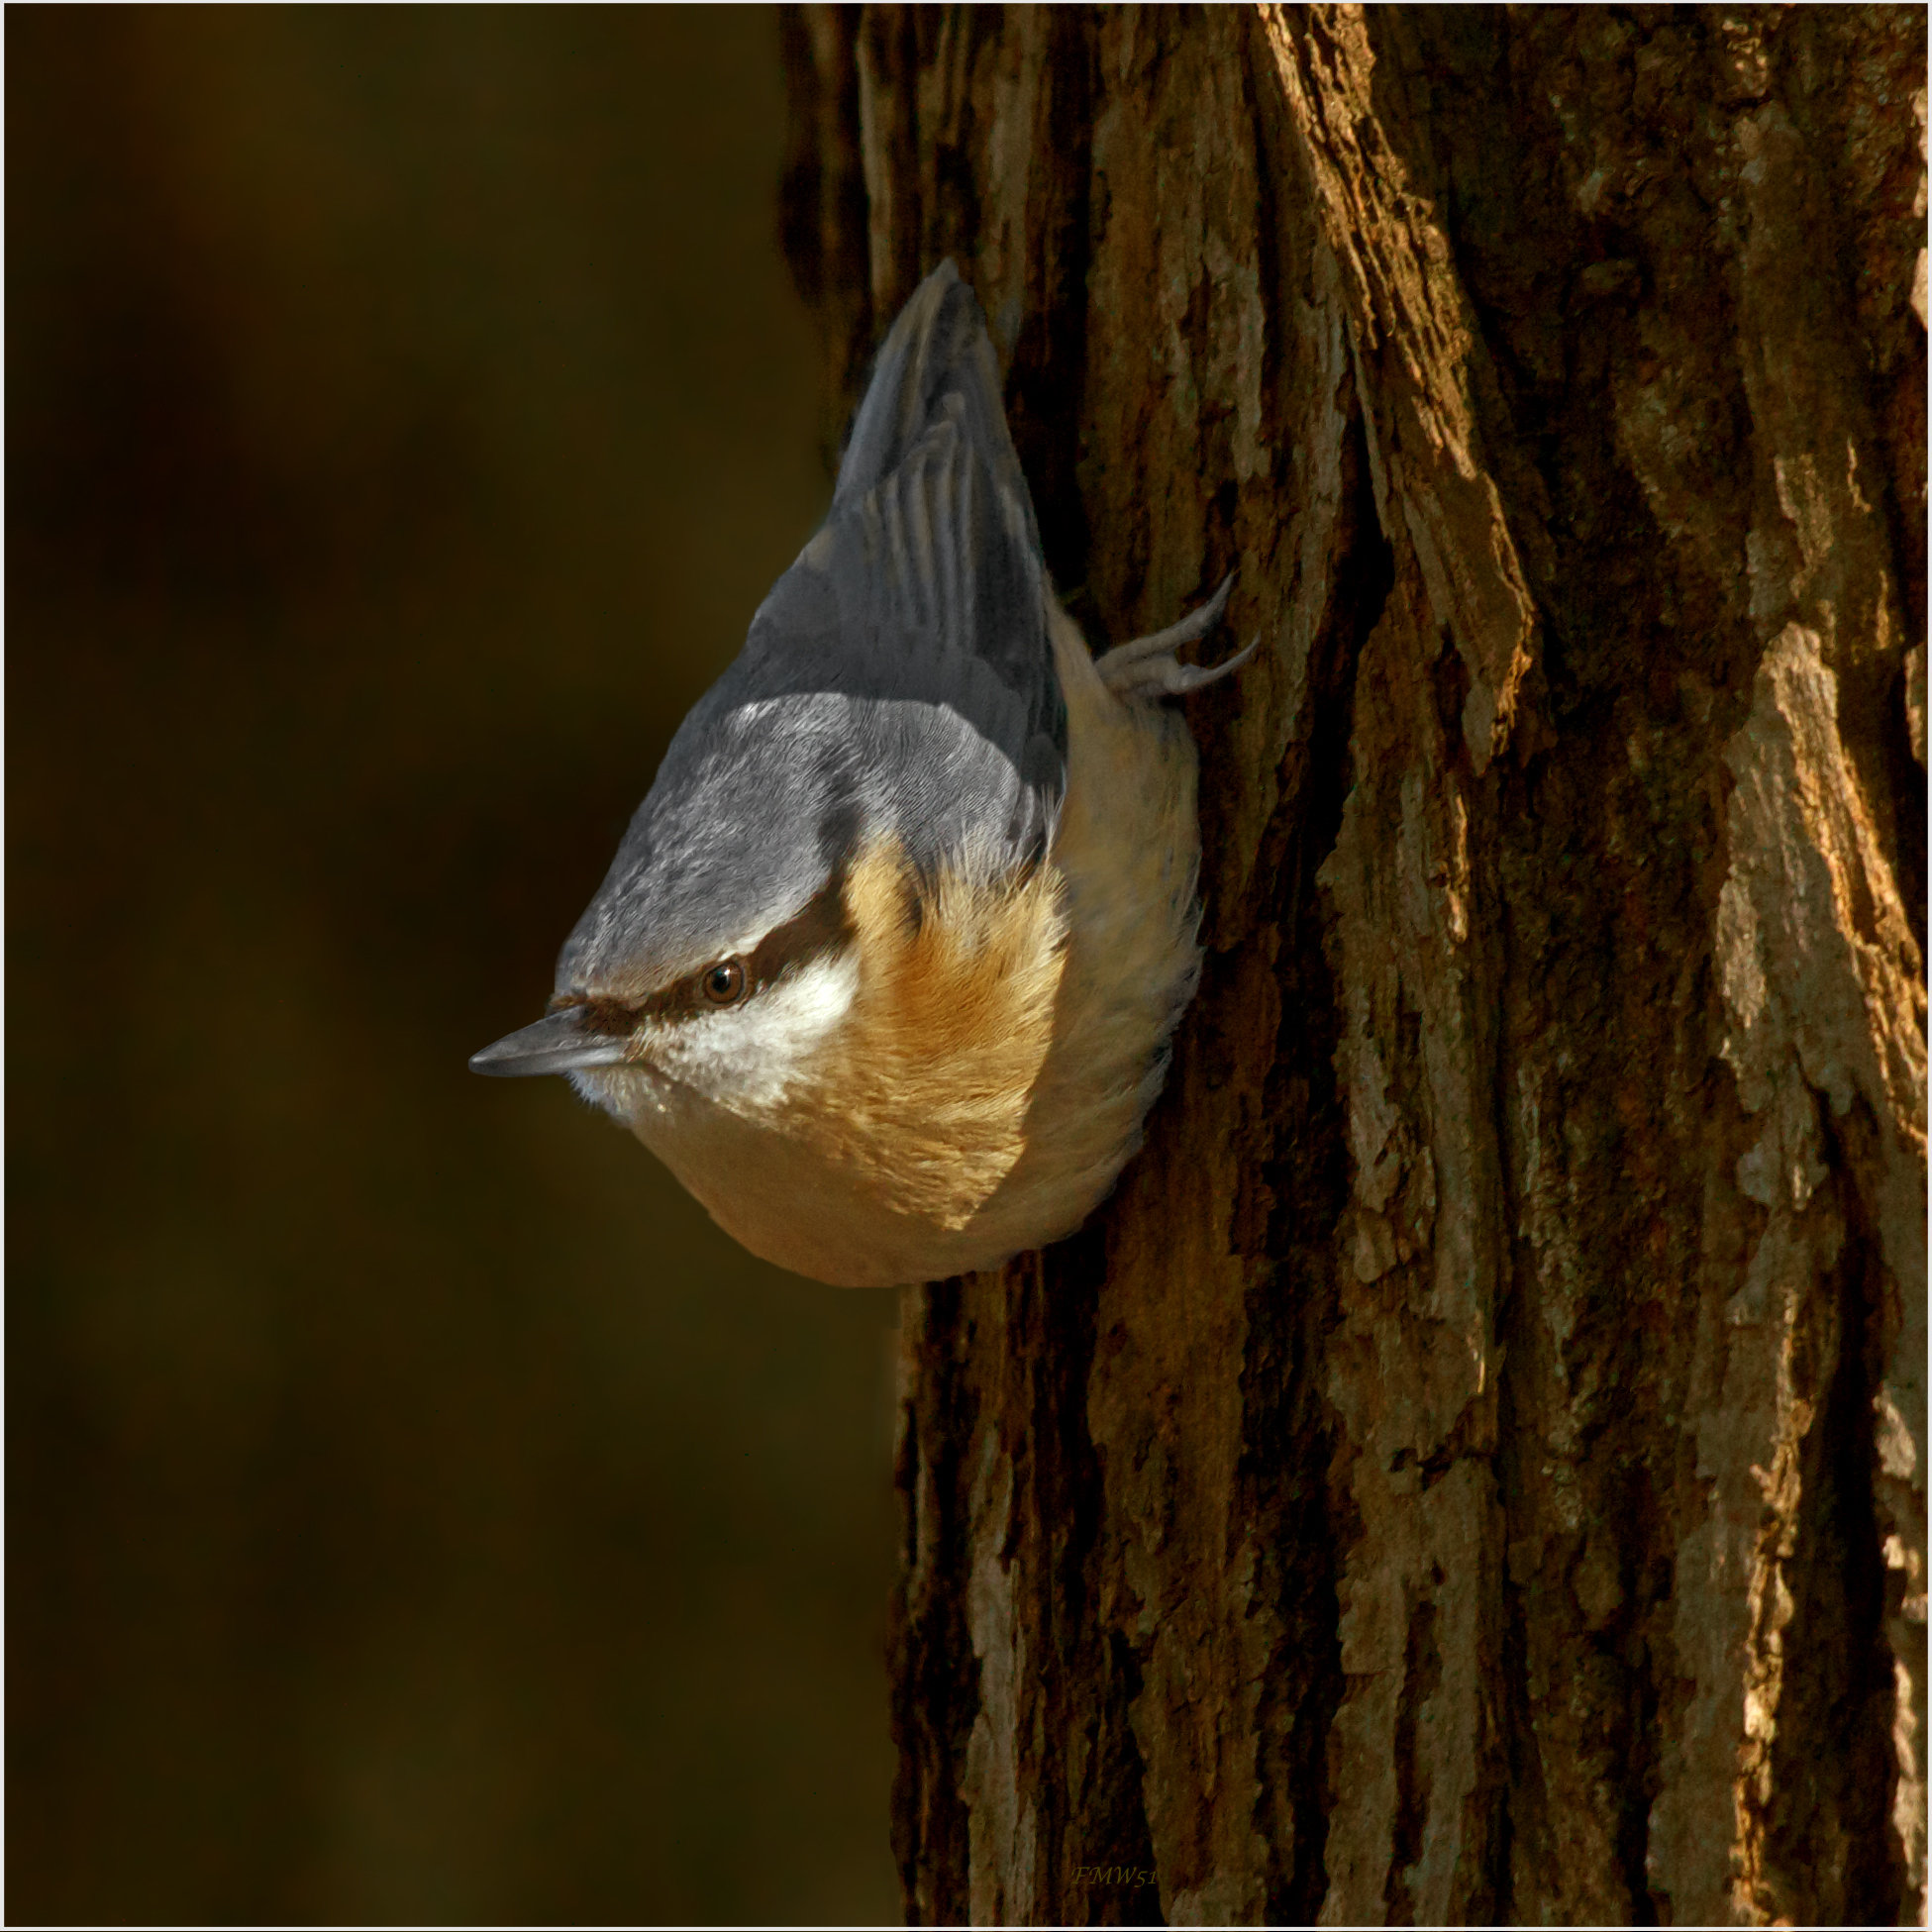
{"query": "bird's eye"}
(724, 983)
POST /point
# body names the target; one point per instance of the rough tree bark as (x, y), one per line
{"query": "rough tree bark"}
(1473, 1469)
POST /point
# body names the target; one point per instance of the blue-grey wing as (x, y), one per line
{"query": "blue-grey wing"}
(897, 680)
(937, 359)
(923, 599)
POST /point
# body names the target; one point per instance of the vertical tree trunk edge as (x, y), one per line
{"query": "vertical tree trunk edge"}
(1473, 1469)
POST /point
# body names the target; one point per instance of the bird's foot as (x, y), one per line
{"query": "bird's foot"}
(1148, 667)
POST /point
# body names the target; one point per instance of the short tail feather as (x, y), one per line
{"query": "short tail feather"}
(936, 360)
(937, 365)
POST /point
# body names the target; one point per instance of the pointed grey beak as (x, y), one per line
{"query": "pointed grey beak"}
(555, 1044)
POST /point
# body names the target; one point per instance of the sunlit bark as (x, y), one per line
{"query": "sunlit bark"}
(1473, 1469)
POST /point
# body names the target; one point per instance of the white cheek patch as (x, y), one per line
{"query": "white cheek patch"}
(748, 1058)
(596, 1086)
(623, 1092)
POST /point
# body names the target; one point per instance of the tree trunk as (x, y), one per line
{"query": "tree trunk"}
(1472, 1466)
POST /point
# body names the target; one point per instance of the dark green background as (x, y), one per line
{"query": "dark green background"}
(417, 1510)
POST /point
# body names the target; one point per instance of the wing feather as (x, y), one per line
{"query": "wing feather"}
(898, 681)
(926, 587)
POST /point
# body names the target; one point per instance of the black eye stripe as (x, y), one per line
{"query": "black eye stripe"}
(818, 928)
(600, 1015)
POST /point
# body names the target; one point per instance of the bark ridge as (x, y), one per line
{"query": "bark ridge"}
(1473, 1467)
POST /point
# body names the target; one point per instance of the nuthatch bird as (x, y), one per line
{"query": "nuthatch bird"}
(887, 967)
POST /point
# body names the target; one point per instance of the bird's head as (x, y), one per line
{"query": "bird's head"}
(718, 953)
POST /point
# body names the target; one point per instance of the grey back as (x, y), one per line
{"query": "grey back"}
(897, 680)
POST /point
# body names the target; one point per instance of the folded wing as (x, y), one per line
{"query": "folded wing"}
(923, 598)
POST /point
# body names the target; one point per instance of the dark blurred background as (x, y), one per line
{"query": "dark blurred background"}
(416, 1509)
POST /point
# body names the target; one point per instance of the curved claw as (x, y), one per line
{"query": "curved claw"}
(1196, 624)
(1166, 678)
(1199, 676)
(1149, 666)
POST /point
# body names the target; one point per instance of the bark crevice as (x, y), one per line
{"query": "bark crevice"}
(1473, 1468)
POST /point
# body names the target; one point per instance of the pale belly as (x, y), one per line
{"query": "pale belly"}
(781, 1198)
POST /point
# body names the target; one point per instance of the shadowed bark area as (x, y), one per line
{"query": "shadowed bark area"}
(1473, 1468)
